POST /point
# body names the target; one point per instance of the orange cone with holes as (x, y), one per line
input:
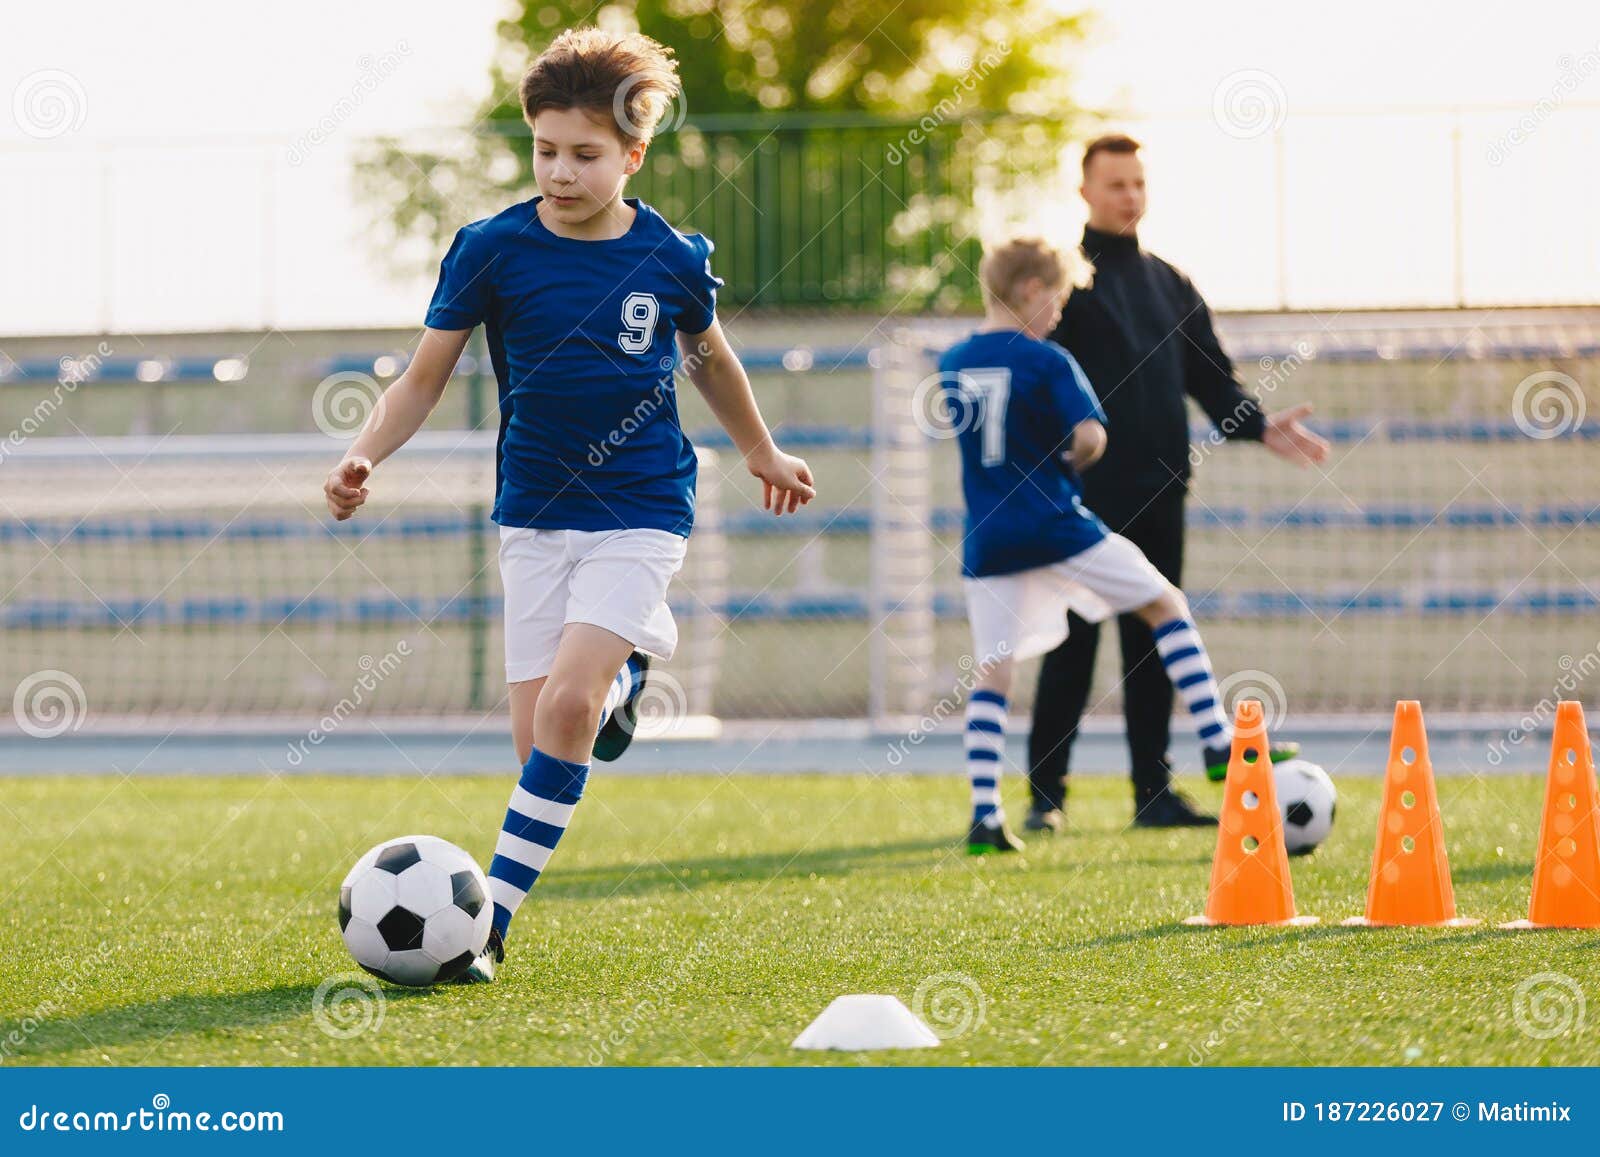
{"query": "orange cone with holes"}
(1250, 872)
(1566, 872)
(1410, 871)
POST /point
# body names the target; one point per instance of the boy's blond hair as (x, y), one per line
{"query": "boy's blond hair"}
(628, 78)
(1007, 265)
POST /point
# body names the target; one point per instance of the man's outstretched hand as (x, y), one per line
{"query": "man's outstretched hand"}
(1287, 437)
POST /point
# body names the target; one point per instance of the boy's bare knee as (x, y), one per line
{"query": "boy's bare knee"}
(568, 707)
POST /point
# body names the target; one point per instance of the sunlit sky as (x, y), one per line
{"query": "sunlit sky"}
(153, 209)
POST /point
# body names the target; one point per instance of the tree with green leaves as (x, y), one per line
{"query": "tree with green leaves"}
(832, 149)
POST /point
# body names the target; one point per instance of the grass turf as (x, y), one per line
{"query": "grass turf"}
(692, 920)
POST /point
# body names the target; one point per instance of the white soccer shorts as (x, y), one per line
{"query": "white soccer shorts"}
(616, 579)
(1024, 614)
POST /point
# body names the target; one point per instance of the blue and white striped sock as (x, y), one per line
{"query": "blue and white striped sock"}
(986, 745)
(1189, 668)
(541, 807)
(624, 687)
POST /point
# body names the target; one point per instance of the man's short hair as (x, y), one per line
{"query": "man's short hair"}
(628, 79)
(1119, 143)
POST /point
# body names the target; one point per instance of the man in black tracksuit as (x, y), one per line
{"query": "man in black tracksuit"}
(1143, 335)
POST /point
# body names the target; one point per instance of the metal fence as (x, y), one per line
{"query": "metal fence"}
(1295, 210)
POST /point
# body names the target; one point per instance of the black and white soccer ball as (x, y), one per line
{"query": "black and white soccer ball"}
(415, 911)
(1307, 799)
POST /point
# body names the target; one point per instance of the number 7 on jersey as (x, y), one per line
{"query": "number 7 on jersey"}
(989, 391)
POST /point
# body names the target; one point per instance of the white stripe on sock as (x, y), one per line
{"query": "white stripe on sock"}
(524, 852)
(544, 810)
(505, 895)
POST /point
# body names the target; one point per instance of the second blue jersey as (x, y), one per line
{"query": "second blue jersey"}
(1015, 401)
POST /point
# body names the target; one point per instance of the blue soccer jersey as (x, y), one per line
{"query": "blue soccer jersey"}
(1015, 401)
(582, 338)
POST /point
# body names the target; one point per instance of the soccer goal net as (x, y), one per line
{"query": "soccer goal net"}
(1448, 550)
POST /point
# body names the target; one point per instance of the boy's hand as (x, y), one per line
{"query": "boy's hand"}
(346, 487)
(785, 479)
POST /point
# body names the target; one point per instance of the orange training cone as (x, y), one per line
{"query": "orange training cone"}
(1566, 872)
(1250, 873)
(1410, 871)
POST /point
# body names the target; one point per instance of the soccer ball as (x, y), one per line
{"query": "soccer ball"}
(415, 911)
(1307, 798)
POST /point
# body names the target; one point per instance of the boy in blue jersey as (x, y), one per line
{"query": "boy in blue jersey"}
(1028, 423)
(586, 298)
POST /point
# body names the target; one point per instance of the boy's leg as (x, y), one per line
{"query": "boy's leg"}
(985, 744)
(1189, 667)
(524, 698)
(566, 715)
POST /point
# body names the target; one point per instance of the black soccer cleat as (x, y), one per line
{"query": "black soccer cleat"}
(617, 733)
(983, 840)
(1217, 758)
(1045, 821)
(1169, 809)
(481, 970)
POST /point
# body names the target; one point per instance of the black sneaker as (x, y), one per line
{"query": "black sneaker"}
(1217, 758)
(982, 840)
(481, 970)
(1169, 809)
(1045, 821)
(617, 733)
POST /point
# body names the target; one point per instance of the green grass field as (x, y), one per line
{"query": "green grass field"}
(693, 920)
